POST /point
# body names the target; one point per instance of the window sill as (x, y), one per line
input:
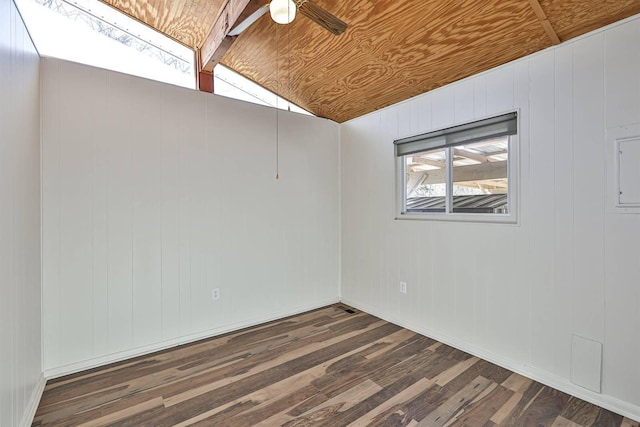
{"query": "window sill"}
(510, 219)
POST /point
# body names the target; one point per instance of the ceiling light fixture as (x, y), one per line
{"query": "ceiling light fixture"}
(282, 11)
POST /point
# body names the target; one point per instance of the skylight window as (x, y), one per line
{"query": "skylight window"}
(232, 85)
(93, 33)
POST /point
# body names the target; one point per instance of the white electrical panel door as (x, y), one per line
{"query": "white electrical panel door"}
(629, 172)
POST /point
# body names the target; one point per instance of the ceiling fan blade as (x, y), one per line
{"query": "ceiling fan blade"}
(235, 31)
(322, 17)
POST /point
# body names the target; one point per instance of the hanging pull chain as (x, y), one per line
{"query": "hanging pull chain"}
(277, 108)
(289, 66)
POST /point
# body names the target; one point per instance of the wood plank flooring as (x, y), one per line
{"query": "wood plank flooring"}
(327, 367)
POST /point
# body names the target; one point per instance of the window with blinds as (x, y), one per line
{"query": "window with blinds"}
(462, 171)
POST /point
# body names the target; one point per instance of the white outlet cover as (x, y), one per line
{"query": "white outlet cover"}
(403, 287)
(215, 294)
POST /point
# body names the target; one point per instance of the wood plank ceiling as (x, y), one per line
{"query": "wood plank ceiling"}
(392, 50)
(187, 21)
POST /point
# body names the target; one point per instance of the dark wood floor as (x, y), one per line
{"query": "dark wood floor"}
(326, 367)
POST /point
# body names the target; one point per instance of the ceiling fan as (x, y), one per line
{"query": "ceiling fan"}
(284, 11)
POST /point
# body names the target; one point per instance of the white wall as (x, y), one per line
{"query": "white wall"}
(513, 294)
(153, 195)
(21, 380)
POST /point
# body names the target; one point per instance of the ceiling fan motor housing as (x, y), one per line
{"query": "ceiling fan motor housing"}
(282, 11)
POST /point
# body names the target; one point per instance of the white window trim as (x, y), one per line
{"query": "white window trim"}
(513, 192)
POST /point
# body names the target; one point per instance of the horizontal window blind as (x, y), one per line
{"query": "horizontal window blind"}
(493, 127)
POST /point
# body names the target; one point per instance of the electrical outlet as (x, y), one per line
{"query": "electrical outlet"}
(215, 294)
(403, 287)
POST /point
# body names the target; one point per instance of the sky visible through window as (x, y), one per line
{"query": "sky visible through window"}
(90, 32)
(93, 33)
(231, 84)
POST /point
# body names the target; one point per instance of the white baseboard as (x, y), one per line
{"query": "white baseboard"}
(34, 401)
(186, 339)
(611, 403)
(606, 401)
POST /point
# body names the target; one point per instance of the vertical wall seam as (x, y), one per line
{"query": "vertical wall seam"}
(340, 214)
(93, 242)
(529, 142)
(58, 101)
(130, 141)
(604, 211)
(573, 175)
(107, 229)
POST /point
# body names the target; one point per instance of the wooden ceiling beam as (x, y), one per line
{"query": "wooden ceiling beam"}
(422, 161)
(469, 155)
(217, 37)
(479, 172)
(548, 28)
(218, 41)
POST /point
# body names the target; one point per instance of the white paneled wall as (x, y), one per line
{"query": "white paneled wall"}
(21, 380)
(515, 294)
(154, 195)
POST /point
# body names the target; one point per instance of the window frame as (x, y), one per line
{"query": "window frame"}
(513, 192)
